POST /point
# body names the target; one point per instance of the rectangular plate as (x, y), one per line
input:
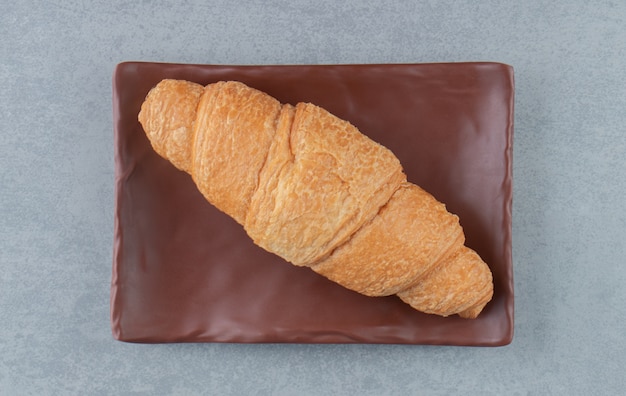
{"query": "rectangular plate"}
(185, 272)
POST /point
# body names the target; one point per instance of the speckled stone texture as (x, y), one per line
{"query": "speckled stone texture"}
(56, 194)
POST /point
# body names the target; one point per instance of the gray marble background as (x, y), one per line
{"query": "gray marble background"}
(56, 192)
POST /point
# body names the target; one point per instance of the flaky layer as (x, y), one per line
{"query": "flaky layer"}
(234, 128)
(321, 182)
(410, 235)
(168, 115)
(462, 284)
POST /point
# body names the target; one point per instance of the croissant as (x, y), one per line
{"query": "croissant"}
(309, 187)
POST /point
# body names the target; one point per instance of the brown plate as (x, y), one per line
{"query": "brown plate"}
(185, 272)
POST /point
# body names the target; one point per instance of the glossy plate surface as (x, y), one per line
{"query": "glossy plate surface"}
(185, 272)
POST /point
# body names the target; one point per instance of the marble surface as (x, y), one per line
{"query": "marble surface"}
(56, 194)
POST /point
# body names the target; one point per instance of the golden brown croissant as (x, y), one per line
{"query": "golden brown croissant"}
(312, 189)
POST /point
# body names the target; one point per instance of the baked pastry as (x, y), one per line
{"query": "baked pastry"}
(312, 189)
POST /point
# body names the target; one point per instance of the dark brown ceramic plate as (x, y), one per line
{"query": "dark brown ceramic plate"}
(184, 272)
